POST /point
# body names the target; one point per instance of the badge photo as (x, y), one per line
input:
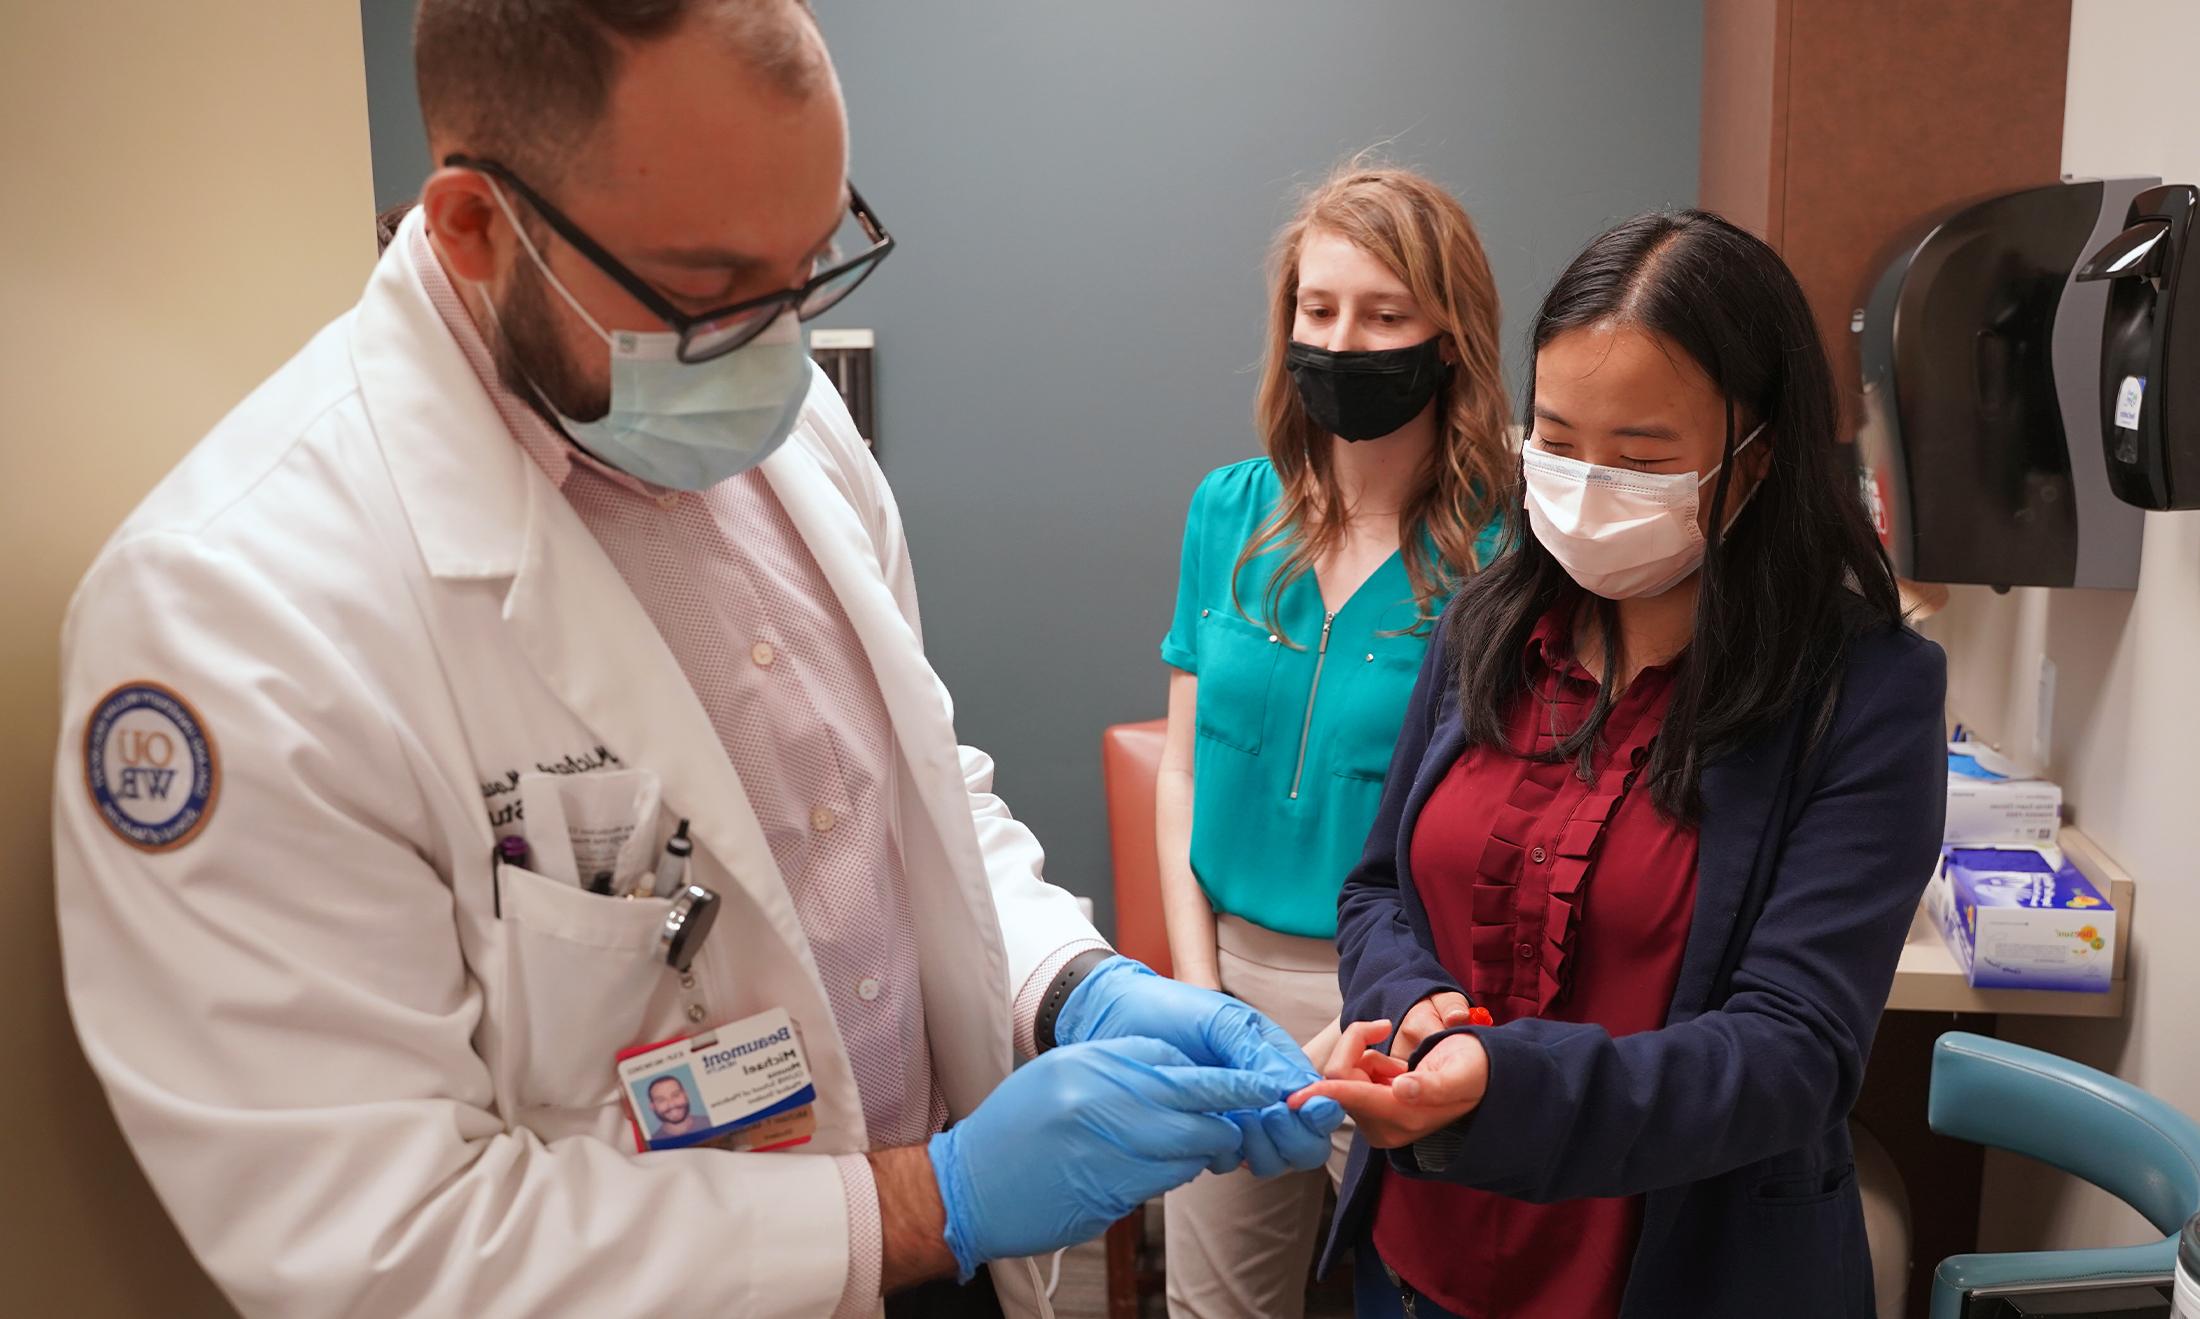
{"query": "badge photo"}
(150, 766)
(742, 1086)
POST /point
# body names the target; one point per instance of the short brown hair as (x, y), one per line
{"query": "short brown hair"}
(524, 82)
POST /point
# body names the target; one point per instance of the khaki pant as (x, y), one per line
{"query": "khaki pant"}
(1239, 1247)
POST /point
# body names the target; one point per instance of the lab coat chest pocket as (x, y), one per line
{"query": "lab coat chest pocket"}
(581, 975)
(1237, 664)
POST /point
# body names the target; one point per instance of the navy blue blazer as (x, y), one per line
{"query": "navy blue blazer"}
(1732, 1118)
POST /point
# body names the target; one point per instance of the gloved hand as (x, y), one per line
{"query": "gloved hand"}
(1079, 1137)
(1123, 999)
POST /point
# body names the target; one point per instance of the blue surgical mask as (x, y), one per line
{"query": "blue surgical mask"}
(686, 425)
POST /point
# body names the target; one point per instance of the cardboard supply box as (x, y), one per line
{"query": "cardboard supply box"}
(2023, 918)
(1993, 803)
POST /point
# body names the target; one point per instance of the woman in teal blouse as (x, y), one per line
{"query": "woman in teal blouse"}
(1309, 581)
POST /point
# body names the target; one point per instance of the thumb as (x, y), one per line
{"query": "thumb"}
(1452, 1009)
(1444, 1077)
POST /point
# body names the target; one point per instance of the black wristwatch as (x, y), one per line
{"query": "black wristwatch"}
(1071, 975)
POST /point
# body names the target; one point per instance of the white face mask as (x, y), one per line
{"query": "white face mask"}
(1618, 533)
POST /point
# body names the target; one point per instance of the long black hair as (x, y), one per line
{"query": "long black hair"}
(1782, 591)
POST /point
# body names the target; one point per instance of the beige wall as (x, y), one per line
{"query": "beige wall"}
(186, 197)
(2125, 735)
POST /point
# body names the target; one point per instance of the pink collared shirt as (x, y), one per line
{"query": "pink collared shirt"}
(776, 664)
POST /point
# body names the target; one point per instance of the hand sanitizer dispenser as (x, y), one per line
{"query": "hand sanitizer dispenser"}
(2150, 351)
(1981, 440)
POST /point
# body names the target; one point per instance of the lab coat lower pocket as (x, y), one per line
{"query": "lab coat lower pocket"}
(580, 973)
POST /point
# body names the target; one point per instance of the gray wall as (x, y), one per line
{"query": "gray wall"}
(1083, 194)
(393, 109)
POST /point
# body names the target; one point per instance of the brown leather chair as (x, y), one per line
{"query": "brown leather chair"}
(1130, 765)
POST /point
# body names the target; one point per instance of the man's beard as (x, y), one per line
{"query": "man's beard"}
(530, 356)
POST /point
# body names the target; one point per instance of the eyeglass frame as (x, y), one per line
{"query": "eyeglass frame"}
(656, 303)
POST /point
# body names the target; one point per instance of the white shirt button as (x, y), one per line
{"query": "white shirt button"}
(823, 820)
(868, 988)
(1273, 638)
(763, 654)
(695, 1012)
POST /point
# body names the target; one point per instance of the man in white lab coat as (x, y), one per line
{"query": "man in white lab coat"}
(558, 516)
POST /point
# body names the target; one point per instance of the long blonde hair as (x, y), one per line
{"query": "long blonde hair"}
(1422, 235)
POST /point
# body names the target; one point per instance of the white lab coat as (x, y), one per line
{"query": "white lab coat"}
(360, 1089)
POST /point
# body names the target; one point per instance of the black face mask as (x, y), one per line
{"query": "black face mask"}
(1365, 396)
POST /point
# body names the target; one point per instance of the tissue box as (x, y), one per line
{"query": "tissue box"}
(1993, 803)
(2023, 918)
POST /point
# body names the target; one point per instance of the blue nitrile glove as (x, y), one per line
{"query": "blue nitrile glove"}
(1124, 999)
(1079, 1137)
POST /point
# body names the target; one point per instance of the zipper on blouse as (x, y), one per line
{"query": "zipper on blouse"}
(1306, 728)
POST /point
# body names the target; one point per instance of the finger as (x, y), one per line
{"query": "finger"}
(1421, 1021)
(1299, 1144)
(1185, 1087)
(1140, 1049)
(1319, 1114)
(1263, 1156)
(1215, 1141)
(1352, 1043)
(1349, 1043)
(1381, 1067)
(1452, 1009)
(1214, 1089)
(1364, 1100)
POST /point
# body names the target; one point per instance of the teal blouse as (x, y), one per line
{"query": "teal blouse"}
(1296, 721)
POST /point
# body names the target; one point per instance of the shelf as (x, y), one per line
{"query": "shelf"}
(1928, 979)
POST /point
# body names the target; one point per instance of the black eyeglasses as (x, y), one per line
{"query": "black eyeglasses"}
(714, 333)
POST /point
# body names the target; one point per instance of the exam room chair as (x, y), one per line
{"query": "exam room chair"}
(2085, 1122)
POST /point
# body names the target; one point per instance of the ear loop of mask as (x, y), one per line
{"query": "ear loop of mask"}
(488, 302)
(535, 255)
(1747, 440)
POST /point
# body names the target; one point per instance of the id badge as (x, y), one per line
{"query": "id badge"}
(740, 1086)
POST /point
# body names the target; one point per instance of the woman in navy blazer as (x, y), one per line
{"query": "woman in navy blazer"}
(1800, 763)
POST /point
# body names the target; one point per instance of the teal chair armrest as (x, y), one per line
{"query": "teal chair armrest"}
(1961, 1274)
(2082, 1121)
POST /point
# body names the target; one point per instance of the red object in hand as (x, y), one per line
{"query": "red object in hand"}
(1480, 1016)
